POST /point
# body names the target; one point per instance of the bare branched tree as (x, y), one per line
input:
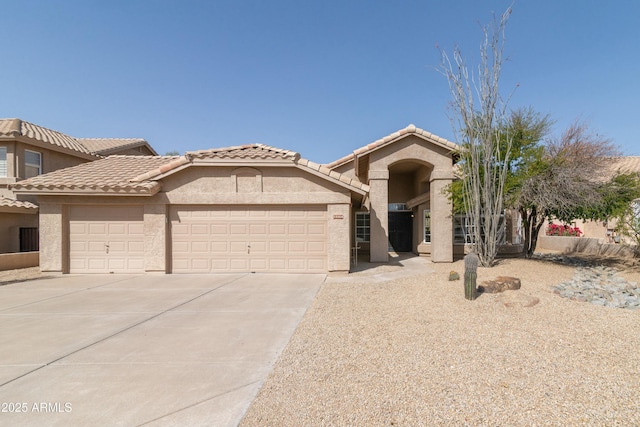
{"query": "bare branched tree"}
(565, 182)
(479, 115)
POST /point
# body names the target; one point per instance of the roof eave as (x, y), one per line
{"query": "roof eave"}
(49, 146)
(334, 180)
(147, 192)
(18, 210)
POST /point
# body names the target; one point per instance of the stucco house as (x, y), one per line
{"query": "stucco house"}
(605, 231)
(28, 150)
(251, 208)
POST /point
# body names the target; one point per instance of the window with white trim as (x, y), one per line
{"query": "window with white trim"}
(32, 163)
(427, 226)
(363, 228)
(3, 162)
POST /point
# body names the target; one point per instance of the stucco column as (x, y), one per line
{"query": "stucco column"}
(339, 238)
(155, 238)
(379, 215)
(52, 230)
(441, 217)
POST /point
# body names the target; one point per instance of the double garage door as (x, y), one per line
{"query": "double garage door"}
(203, 239)
(246, 239)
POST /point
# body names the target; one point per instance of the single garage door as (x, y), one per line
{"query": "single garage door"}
(261, 239)
(106, 239)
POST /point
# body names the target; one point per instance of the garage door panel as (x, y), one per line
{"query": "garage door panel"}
(242, 238)
(97, 228)
(258, 248)
(296, 247)
(315, 263)
(219, 247)
(97, 246)
(238, 247)
(277, 246)
(258, 264)
(241, 229)
(135, 247)
(316, 247)
(318, 229)
(219, 229)
(180, 229)
(296, 229)
(200, 247)
(199, 229)
(106, 239)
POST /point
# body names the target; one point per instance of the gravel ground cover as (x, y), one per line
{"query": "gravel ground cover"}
(387, 347)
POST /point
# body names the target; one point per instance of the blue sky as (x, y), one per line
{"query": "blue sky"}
(318, 77)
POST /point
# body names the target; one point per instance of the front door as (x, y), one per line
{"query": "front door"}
(401, 231)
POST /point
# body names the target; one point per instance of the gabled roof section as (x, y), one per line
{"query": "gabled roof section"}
(112, 175)
(260, 154)
(244, 152)
(389, 139)
(16, 128)
(84, 147)
(107, 146)
(140, 175)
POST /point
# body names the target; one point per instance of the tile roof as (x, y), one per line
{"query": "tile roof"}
(104, 146)
(94, 147)
(251, 151)
(12, 203)
(409, 130)
(139, 174)
(113, 174)
(17, 127)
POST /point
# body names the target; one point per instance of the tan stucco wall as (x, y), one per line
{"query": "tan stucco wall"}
(155, 238)
(338, 251)
(53, 233)
(10, 224)
(402, 187)
(18, 260)
(286, 185)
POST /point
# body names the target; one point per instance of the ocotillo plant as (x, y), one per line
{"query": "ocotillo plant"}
(470, 274)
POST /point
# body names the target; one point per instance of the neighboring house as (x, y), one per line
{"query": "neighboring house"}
(606, 230)
(27, 151)
(247, 208)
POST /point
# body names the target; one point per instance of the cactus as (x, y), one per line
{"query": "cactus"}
(470, 275)
(453, 275)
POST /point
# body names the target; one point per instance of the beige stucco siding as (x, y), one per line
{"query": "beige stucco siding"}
(224, 185)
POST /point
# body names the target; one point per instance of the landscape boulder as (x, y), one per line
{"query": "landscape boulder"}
(499, 284)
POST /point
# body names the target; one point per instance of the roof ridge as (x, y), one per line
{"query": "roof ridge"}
(409, 129)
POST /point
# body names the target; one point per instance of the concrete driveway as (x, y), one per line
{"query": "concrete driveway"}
(156, 350)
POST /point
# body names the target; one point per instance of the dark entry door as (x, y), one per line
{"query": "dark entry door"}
(401, 231)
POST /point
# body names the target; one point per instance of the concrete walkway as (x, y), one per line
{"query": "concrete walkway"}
(143, 350)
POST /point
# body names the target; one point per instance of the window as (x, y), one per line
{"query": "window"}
(462, 229)
(32, 164)
(362, 226)
(29, 240)
(427, 226)
(3, 162)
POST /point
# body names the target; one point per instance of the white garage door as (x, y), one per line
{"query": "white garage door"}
(274, 239)
(106, 239)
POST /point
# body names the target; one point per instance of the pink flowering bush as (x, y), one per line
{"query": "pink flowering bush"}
(563, 230)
